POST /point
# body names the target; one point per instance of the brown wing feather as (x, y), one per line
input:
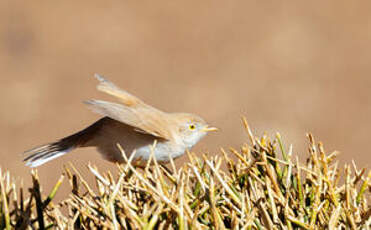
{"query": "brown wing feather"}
(147, 119)
(133, 111)
(126, 98)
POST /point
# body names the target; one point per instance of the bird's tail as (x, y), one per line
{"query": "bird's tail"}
(42, 154)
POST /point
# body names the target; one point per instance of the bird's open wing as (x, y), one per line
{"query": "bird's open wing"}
(126, 98)
(132, 111)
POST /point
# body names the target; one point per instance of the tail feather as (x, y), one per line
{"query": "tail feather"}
(42, 154)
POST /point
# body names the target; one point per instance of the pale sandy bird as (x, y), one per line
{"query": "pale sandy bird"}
(134, 125)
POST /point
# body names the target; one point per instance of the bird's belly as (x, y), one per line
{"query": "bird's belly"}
(162, 151)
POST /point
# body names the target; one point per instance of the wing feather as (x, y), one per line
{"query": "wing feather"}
(126, 98)
(133, 111)
(151, 121)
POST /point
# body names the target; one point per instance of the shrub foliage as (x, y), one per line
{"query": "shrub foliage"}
(260, 186)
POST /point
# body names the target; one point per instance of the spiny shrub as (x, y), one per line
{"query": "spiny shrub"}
(260, 186)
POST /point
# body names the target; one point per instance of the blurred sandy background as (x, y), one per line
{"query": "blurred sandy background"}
(292, 67)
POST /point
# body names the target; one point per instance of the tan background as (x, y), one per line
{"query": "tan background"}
(289, 67)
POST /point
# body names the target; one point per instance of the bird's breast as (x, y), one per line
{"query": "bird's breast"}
(162, 151)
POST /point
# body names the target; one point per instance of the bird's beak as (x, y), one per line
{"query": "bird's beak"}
(209, 129)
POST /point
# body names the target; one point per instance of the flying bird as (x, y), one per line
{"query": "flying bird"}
(132, 124)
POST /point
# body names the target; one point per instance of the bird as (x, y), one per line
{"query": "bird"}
(131, 124)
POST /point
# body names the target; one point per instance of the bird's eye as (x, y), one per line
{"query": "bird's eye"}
(192, 127)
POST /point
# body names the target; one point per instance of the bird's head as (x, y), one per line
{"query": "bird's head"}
(191, 128)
